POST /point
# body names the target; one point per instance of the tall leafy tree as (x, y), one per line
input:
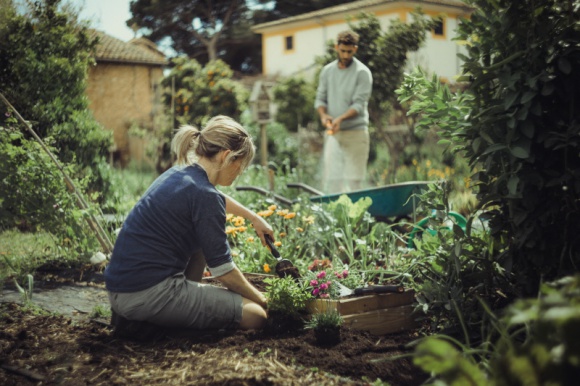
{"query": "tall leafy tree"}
(215, 29)
(203, 30)
(288, 8)
(44, 58)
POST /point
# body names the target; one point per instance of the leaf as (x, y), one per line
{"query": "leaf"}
(494, 148)
(510, 98)
(548, 89)
(527, 128)
(512, 184)
(564, 66)
(521, 148)
(528, 95)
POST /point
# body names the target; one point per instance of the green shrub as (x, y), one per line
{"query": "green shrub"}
(44, 60)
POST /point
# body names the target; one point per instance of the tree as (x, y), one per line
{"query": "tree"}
(518, 123)
(203, 30)
(216, 29)
(44, 59)
(288, 8)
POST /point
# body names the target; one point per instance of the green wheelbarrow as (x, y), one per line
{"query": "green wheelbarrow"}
(389, 201)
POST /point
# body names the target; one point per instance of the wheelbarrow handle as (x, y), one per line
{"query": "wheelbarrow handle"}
(305, 187)
(266, 193)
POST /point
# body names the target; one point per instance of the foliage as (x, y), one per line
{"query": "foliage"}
(451, 267)
(203, 92)
(342, 231)
(518, 122)
(213, 30)
(288, 8)
(196, 28)
(286, 296)
(35, 196)
(44, 58)
(21, 253)
(533, 343)
(327, 320)
(100, 311)
(294, 97)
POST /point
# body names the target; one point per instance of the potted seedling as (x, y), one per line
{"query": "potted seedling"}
(326, 326)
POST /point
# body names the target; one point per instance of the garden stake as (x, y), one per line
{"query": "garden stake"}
(81, 203)
(284, 267)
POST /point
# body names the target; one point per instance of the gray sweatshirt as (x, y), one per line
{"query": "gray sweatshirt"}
(342, 89)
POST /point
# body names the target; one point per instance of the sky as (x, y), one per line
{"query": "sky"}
(107, 15)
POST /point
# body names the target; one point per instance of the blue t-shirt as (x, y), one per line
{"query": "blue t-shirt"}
(180, 213)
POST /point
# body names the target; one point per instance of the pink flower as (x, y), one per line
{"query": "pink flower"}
(321, 275)
(338, 275)
(345, 273)
(313, 283)
(323, 286)
(315, 291)
(325, 296)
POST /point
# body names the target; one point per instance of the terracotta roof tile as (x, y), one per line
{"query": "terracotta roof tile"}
(136, 51)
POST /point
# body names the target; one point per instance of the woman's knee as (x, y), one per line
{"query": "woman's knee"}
(253, 316)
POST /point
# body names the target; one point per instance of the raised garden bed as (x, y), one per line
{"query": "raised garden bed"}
(378, 314)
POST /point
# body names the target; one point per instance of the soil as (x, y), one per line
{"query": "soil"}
(51, 348)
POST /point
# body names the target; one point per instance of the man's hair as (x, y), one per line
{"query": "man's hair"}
(348, 38)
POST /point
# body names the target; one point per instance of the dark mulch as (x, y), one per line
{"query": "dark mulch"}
(53, 349)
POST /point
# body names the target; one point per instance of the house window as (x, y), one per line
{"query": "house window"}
(439, 30)
(289, 43)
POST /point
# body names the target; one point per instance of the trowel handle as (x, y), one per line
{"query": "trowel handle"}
(273, 249)
(379, 289)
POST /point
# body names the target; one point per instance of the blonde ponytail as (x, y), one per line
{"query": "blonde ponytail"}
(184, 144)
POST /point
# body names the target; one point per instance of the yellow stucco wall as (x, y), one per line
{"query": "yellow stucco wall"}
(121, 95)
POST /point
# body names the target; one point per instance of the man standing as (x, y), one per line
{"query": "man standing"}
(342, 97)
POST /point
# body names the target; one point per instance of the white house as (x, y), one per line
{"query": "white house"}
(289, 46)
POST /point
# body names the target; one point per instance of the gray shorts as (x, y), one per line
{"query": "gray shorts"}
(181, 303)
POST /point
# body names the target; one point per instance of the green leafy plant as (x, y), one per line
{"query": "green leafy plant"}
(286, 296)
(330, 319)
(28, 291)
(532, 343)
(100, 311)
(517, 123)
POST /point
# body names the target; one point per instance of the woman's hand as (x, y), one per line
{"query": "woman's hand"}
(262, 228)
(260, 225)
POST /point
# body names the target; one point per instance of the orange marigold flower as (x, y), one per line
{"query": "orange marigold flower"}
(282, 234)
(242, 229)
(250, 239)
(230, 230)
(278, 244)
(265, 213)
(272, 207)
(229, 217)
(239, 221)
(267, 268)
(290, 216)
(282, 212)
(298, 229)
